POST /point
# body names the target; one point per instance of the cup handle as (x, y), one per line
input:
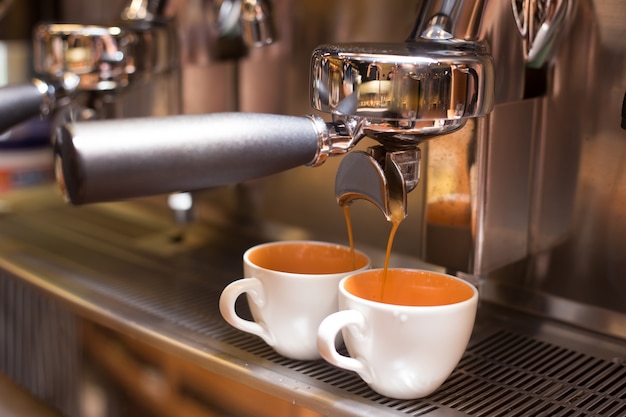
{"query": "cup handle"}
(327, 333)
(254, 289)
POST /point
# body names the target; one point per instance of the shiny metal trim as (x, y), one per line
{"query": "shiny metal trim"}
(418, 88)
(324, 143)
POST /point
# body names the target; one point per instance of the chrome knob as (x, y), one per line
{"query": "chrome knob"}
(380, 177)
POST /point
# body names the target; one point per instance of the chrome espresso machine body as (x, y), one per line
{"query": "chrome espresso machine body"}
(496, 127)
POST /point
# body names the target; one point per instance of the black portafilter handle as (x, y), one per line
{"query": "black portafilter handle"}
(19, 103)
(99, 161)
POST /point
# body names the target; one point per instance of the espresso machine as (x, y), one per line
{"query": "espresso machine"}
(494, 129)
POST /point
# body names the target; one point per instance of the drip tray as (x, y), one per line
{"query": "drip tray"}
(506, 374)
(516, 365)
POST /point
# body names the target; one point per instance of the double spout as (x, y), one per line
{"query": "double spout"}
(380, 177)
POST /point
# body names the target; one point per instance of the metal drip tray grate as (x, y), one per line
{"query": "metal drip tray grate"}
(506, 374)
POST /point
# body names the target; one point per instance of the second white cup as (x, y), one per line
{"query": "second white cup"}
(405, 331)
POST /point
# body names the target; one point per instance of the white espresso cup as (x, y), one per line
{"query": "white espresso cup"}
(291, 287)
(405, 333)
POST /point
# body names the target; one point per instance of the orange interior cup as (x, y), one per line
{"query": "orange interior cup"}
(408, 287)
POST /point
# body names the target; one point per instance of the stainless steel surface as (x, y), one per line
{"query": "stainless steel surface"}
(478, 191)
(129, 272)
(587, 265)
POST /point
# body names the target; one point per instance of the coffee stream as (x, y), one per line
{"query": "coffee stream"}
(397, 215)
(346, 213)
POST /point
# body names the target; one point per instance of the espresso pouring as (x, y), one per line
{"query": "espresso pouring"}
(384, 293)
